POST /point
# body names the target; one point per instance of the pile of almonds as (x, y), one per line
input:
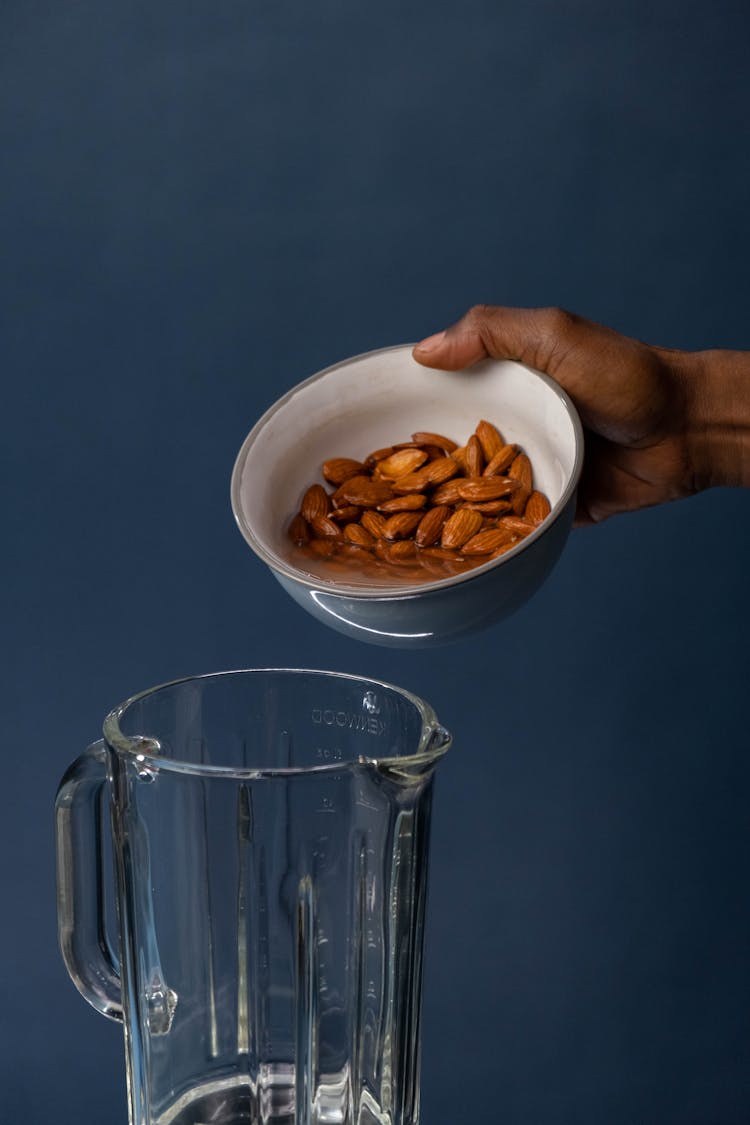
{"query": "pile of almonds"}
(425, 506)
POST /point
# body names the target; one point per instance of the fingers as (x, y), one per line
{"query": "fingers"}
(617, 383)
(533, 336)
(616, 480)
(451, 350)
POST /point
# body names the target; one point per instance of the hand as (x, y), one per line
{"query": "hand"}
(657, 421)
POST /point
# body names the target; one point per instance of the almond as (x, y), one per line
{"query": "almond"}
(401, 463)
(434, 452)
(460, 527)
(474, 457)
(400, 552)
(501, 461)
(422, 437)
(441, 553)
(339, 469)
(459, 456)
(299, 531)
(480, 489)
(363, 492)
(379, 455)
(517, 525)
(434, 473)
(430, 526)
(408, 503)
(490, 439)
(537, 508)
(447, 493)
(490, 507)
(346, 514)
(414, 482)
(315, 503)
(374, 523)
(358, 535)
(402, 525)
(323, 528)
(323, 547)
(353, 551)
(438, 472)
(505, 547)
(520, 470)
(485, 542)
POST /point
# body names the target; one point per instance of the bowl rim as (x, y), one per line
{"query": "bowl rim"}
(406, 590)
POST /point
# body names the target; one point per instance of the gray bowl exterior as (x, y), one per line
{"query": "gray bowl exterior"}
(441, 616)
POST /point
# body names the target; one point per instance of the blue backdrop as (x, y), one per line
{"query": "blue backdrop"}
(203, 204)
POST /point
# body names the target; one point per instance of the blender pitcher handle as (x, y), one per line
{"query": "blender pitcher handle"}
(81, 932)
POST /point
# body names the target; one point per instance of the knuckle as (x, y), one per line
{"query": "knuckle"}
(555, 337)
(557, 322)
(479, 315)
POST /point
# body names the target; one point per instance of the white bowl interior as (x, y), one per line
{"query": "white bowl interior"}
(376, 400)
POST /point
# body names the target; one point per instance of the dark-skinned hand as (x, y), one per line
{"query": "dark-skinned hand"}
(660, 424)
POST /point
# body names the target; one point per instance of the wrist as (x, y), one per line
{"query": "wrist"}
(716, 390)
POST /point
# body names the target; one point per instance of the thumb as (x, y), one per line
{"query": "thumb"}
(500, 333)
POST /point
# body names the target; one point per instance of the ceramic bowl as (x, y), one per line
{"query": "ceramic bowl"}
(377, 399)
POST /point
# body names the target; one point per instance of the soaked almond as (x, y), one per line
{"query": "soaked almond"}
(363, 492)
(323, 547)
(430, 525)
(418, 510)
(520, 470)
(359, 535)
(517, 525)
(374, 523)
(379, 455)
(402, 525)
(489, 507)
(299, 531)
(315, 503)
(487, 541)
(401, 551)
(459, 528)
(448, 493)
(346, 514)
(409, 503)
(537, 508)
(502, 461)
(490, 439)
(401, 463)
(323, 528)
(423, 437)
(339, 469)
(480, 489)
(474, 457)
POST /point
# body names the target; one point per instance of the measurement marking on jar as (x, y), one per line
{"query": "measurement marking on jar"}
(352, 720)
(329, 753)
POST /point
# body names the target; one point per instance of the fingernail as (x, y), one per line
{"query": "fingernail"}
(430, 344)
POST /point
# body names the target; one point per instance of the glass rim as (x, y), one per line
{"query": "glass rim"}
(434, 740)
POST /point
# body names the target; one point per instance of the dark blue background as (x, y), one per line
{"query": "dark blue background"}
(203, 203)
